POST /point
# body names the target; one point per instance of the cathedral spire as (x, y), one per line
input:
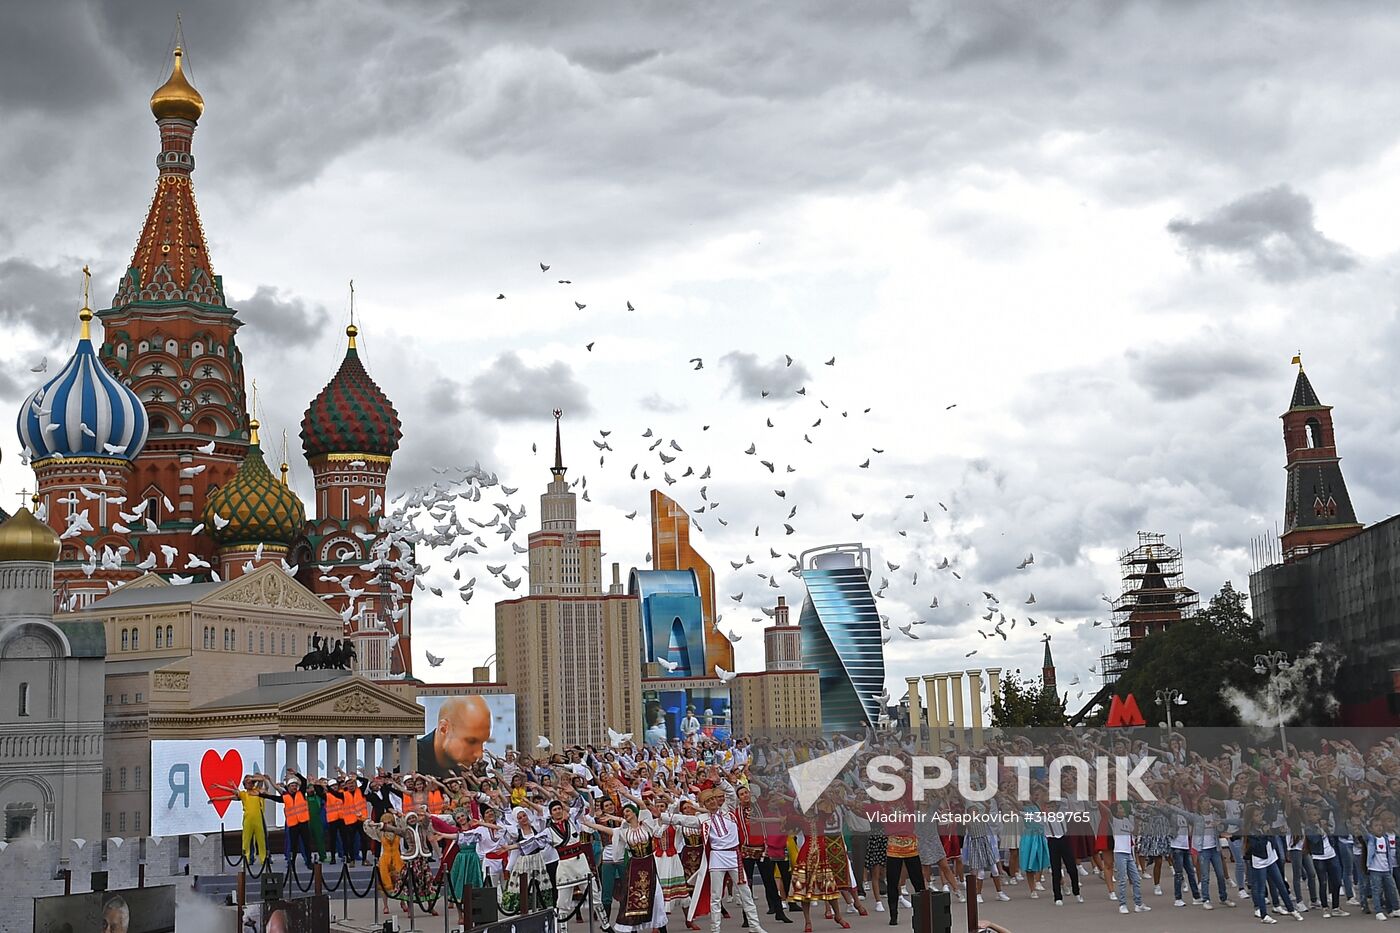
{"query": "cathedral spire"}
(558, 469)
(1317, 506)
(171, 260)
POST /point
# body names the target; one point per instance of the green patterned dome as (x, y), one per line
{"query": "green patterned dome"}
(258, 508)
(352, 415)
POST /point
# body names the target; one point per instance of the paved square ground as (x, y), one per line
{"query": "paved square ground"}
(1021, 914)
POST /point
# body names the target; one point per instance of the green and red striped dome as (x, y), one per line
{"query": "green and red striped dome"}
(352, 415)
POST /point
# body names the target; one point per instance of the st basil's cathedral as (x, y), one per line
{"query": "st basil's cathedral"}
(147, 460)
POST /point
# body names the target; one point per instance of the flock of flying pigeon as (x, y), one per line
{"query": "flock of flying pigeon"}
(434, 522)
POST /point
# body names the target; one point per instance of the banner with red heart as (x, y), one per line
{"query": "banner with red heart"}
(226, 769)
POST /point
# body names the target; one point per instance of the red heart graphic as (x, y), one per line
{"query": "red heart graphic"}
(215, 769)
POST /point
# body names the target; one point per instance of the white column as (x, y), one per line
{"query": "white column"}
(404, 763)
(289, 752)
(941, 708)
(958, 722)
(974, 688)
(933, 714)
(269, 764)
(916, 710)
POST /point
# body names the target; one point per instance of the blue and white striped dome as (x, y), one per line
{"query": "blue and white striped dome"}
(84, 411)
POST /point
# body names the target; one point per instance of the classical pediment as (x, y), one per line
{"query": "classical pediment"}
(352, 698)
(269, 587)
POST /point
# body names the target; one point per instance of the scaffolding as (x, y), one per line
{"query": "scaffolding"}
(1153, 598)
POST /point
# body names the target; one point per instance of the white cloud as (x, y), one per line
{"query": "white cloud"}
(962, 203)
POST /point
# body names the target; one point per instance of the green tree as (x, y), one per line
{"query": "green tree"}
(1023, 703)
(1200, 657)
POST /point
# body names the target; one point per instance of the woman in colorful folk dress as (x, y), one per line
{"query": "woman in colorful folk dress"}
(643, 905)
(822, 871)
(405, 859)
(526, 868)
(670, 870)
(416, 882)
(692, 856)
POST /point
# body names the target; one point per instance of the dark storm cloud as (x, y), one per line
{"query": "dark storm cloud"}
(713, 111)
(1273, 230)
(39, 298)
(511, 390)
(1180, 372)
(752, 378)
(279, 322)
(38, 73)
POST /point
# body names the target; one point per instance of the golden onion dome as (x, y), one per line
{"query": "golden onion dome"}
(24, 537)
(253, 506)
(177, 97)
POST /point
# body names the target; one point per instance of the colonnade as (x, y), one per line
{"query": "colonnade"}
(941, 717)
(320, 756)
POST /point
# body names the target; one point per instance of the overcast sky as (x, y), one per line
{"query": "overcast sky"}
(1100, 229)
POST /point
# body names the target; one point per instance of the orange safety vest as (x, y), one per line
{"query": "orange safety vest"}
(335, 808)
(356, 808)
(435, 802)
(294, 809)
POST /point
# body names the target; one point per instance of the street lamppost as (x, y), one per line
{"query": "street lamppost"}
(1272, 664)
(1167, 699)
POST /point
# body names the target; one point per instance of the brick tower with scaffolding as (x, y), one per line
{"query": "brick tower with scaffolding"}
(1153, 598)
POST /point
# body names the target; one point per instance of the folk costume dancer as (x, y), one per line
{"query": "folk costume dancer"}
(755, 850)
(389, 866)
(416, 880)
(643, 907)
(527, 868)
(670, 869)
(462, 865)
(692, 855)
(822, 871)
(573, 874)
(724, 833)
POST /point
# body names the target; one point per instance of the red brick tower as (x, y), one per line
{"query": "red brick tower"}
(349, 435)
(1317, 509)
(170, 336)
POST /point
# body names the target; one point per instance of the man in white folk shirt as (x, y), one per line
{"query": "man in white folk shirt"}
(723, 837)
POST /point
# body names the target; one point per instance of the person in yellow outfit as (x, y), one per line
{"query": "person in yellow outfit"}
(388, 834)
(251, 796)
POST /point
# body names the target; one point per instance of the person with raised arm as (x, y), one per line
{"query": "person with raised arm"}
(256, 788)
(725, 826)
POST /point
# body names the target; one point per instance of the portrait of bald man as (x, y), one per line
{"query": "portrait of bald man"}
(116, 915)
(463, 729)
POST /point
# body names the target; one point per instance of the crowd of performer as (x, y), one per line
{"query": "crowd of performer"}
(679, 833)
